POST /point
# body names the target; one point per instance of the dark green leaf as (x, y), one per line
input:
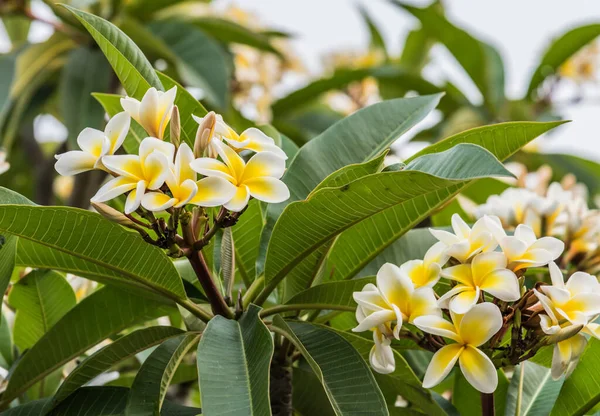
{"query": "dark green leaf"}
(332, 293)
(246, 237)
(308, 395)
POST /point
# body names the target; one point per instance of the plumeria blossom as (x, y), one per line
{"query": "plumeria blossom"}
(524, 249)
(250, 139)
(181, 180)
(258, 178)
(4, 165)
(426, 272)
(466, 242)
(381, 356)
(470, 331)
(136, 173)
(95, 145)
(393, 299)
(487, 272)
(153, 113)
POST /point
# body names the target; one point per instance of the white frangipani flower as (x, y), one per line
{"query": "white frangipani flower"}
(426, 272)
(466, 242)
(153, 113)
(487, 272)
(258, 178)
(4, 165)
(181, 180)
(469, 331)
(250, 139)
(524, 249)
(95, 145)
(136, 173)
(381, 356)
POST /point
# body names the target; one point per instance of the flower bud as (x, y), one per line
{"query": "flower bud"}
(175, 127)
(113, 215)
(204, 134)
(564, 333)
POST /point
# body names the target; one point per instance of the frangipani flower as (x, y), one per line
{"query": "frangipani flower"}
(466, 242)
(487, 272)
(566, 355)
(394, 298)
(4, 165)
(426, 272)
(469, 331)
(258, 178)
(524, 249)
(381, 356)
(94, 145)
(250, 139)
(153, 112)
(181, 180)
(149, 170)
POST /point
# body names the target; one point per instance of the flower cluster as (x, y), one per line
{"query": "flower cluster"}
(480, 273)
(165, 175)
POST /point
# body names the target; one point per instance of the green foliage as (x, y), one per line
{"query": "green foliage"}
(533, 389)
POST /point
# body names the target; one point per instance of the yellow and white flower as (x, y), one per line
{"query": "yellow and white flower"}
(393, 299)
(4, 165)
(258, 178)
(95, 145)
(426, 272)
(153, 113)
(136, 173)
(381, 356)
(181, 180)
(470, 331)
(487, 272)
(524, 249)
(251, 139)
(466, 242)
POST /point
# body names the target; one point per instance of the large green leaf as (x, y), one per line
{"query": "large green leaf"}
(90, 237)
(112, 354)
(41, 299)
(332, 293)
(355, 139)
(129, 63)
(345, 376)
(405, 196)
(246, 237)
(348, 258)
(202, 62)
(308, 395)
(152, 380)
(86, 71)
(233, 366)
(463, 395)
(531, 386)
(100, 315)
(581, 391)
(559, 51)
(8, 252)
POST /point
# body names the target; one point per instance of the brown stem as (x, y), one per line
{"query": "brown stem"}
(281, 381)
(219, 307)
(487, 404)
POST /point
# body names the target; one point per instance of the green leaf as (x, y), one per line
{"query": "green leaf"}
(355, 139)
(246, 237)
(559, 51)
(112, 354)
(201, 61)
(17, 28)
(233, 365)
(150, 385)
(41, 299)
(7, 69)
(8, 252)
(581, 391)
(332, 293)
(467, 400)
(377, 41)
(347, 379)
(405, 197)
(91, 238)
(308, 395)
(537, 391)
(416, 49)
(103, 313)
(85, 72)
(502, 140)
(129, 63)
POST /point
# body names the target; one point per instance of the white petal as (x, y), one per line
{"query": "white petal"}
(441, 364)
(156, 170)
(231, 158)
(556, 275)
(114, 188)
(464, 301)
(124, 165)
(151, 144)
(460, 227)
(444, 236)
(213, 191)
(437, 325)
(134, 199)
(381, 356)
(436, 254)
(93, 141)
(395, 286)
(502, 284)
(525, 234)
(264, 164)
(268, 189)
(423, 303)
(239, 200)
(375, 319)
(479, 324)
(116, 130)
(132, 107)
(74, 162)
(212, 167)
(478, 369)
(183, 159)
(444, 300)
(561, 358)
(148, 113)
(513, 248)
(186, 192)
(553, 245)
(157, 201)
(548, 326)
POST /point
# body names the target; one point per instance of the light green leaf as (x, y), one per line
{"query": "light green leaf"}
(332, 293)
(581, 391)
(559, 51)
(112, 354)
(85, 72)
(377, 41)
(129, 63)
(17, 28)
(8, 252)
(233, 365)
(405, 196)
(467, 400)
(227, 262)
(502, 140)
(41, 298)
(91, 238)
(246, 237)
(201, 61)
(345, 376)
(150, 385)
(537, 391)
(102, 314)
